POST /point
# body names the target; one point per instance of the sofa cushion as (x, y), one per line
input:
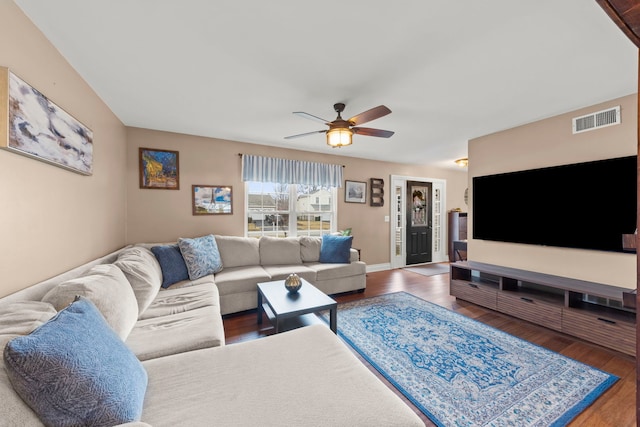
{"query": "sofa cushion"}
(240, 279)
(179, 300)
(335, 249)
(171, 263)
(187, 283)
(74, 370)
(143, 272)
(279, 251)
(107, 287)
(326, 271)
(22, 317)
(312, 378)
(310, 248)
(280, 272)
(200, 255)
(238, 251)
(177, 333)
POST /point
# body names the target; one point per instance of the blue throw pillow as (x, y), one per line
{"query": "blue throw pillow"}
(335, 249)
(171, 263)
(201, 256)
(75, 370)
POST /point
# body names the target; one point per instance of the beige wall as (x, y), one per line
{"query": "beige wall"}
(53, 219)
(550, 142)
(165, 215)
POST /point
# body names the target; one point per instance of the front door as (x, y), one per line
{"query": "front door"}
(418, 234)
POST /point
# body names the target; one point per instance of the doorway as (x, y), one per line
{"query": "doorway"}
(417, 230)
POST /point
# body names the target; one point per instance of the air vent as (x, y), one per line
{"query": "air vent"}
(597, 120)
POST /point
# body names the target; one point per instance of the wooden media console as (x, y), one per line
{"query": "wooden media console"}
(592, 311)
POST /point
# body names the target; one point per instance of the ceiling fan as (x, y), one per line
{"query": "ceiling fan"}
(341, 131)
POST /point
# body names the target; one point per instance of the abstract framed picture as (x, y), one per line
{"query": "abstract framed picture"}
(212, 199)
(159, 169)
(34, 126)
(355, 192)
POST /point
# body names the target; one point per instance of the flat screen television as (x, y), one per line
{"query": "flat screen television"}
(584, 205)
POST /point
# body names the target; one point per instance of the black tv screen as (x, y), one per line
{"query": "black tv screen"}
(584, 205)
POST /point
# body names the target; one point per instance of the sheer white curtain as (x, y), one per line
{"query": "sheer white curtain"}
(284, 171)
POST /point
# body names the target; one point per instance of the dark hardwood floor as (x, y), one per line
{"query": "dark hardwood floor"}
(615, 408)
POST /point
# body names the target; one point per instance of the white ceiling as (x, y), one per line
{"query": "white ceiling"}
(236, 69)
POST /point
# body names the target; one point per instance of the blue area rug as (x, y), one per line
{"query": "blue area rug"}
(460, 372)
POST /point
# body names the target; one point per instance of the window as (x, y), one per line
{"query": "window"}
(287, 210)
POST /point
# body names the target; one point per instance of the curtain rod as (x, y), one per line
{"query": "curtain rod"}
(240, 155)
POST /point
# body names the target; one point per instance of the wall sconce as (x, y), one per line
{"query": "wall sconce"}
(464, 162)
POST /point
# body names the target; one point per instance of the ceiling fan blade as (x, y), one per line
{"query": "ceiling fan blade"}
(304, 134)
(367, 116)
(311, 117)
(373, 132)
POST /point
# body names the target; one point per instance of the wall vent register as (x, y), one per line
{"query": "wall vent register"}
(596, 120)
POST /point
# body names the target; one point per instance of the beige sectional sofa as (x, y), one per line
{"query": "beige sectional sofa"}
(303, 377)
(247, 261)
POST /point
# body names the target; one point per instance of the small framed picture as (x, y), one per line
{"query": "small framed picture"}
(212, 199)
(355, 192)
(159, 169)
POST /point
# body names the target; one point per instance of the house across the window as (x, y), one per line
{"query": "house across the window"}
(289, 210)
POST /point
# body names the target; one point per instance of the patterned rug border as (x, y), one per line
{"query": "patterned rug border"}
(569, 415)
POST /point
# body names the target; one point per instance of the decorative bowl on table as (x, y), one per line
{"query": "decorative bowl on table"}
(292, 283)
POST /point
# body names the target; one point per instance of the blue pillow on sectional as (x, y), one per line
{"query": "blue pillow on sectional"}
(335, 249)
(201, 256)
(75, 370)
(171, 263)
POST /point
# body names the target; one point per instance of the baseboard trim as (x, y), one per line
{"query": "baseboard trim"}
(378, 267)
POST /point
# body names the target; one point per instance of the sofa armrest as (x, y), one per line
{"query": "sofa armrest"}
(354, 255)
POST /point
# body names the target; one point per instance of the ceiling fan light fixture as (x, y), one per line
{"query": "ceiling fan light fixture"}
(339, 137)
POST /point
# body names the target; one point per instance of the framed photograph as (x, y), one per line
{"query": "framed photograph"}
(212, 199)
(159, 169)
(355, 192)
(38, 128)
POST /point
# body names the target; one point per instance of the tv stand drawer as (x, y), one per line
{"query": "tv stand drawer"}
(531, 309)
(474, 292)
(600, 329)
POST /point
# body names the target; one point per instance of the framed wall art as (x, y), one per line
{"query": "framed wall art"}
(212, 199)
(34, 126)
(159, 169)
(355, 192)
